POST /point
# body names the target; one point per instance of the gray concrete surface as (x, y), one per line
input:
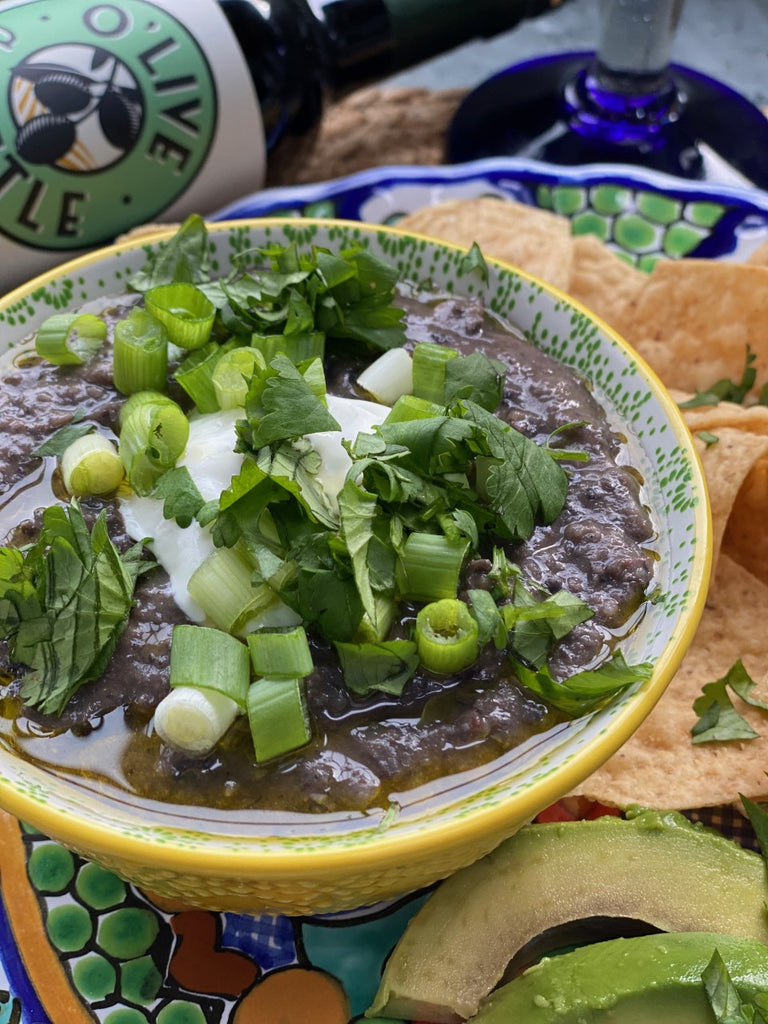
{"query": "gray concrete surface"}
(727, 39)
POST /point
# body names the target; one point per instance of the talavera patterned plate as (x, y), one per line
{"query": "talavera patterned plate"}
(642, 214)
(79, 944)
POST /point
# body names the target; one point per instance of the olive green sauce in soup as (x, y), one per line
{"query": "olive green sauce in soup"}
(362, 749)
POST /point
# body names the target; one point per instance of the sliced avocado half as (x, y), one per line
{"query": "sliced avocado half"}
(652, 867)
(643, 980)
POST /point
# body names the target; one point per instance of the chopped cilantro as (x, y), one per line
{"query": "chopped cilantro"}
(726, 390)
(474, 262)
(181, 499)
(758, 815)
(718, 718)
(707, 437)
(58, 443)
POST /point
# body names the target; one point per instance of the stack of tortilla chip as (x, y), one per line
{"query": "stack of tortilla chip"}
(692, 321)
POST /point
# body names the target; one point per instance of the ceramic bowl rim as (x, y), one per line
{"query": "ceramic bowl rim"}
(375, 850)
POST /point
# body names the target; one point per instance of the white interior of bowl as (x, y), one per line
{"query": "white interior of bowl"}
(546, 766)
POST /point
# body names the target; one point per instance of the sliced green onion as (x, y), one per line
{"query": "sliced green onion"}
(207, 658)
(278, 717)
(195, 374)
(91, 465)
(231, 375)
(140, 356)
(69, 339)
(186, 313)
(298, 347)
(279, 654)
(409, 407)
(446, 636)
(153, 434)
(194, 720)
(429, 361)
(389, 377)
(429, 565)
(222, 586)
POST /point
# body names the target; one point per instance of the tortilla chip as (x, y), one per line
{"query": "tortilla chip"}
(759, 256)
(740, 528)
(693, 320)
(752, 419)
(727, 464)
(601, 279)
(530, 238)
(659, 766)
(746, 538)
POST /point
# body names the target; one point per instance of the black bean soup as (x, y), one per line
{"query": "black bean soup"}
(362, 749)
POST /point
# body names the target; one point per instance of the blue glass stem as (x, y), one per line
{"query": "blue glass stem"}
(627, 94)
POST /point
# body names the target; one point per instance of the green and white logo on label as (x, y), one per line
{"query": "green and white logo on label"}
(107, 112)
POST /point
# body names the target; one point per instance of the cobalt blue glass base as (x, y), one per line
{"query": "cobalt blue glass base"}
(556, 109)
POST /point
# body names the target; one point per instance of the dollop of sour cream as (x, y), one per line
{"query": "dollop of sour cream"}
(212, 462)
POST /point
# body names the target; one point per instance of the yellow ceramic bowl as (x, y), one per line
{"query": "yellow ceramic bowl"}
(303, 864)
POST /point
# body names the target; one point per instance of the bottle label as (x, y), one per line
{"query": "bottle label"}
(118, 113)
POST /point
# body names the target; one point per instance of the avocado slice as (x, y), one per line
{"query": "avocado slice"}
(653, 867)
(641, 980)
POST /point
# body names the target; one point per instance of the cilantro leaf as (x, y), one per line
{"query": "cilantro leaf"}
(718, 718)
(181, 498)
(64, 604)
(726, 390)
(585, 690)
(474, 262)
(523, 481)
(281, 404)
(385, 666)
(758, 815)
(182, 258)
(475, 377)
(707, 437)
(324, 591)
(59, 441)
(537, 625)
(357, 509)
(487, 615)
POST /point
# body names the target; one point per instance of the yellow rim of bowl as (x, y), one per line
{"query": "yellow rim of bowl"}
(377, 849)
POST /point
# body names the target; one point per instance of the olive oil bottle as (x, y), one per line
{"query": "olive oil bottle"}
(122, 112)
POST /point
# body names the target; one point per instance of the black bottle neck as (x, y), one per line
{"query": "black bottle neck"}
(301, 51)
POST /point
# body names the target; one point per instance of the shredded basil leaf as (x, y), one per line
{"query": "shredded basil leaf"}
(64, 603)
(727, 1005)
(587, 690)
